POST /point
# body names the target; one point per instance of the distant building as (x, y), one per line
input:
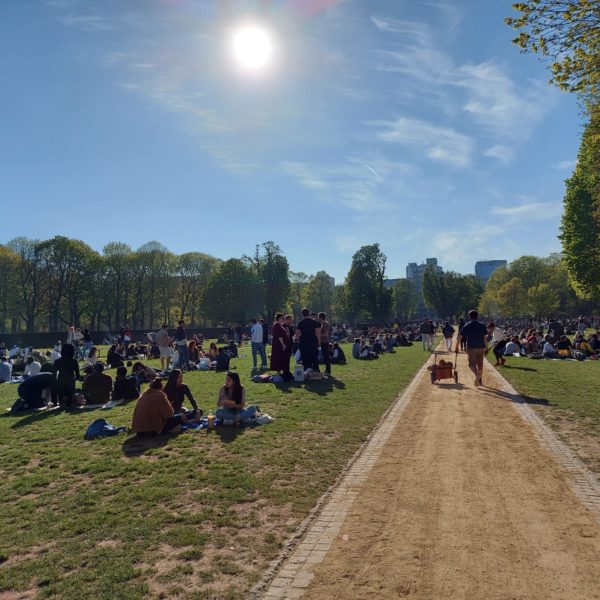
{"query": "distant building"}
(414, 273)
(485, 268)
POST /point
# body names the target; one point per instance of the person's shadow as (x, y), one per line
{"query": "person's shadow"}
(322, 387)
(517, 398)
(137, 446)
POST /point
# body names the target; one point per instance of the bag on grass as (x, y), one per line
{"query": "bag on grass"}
(100, 428)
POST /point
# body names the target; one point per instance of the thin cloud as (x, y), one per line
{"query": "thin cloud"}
(503, 154)
(437, 143)
(86, 22)
(532, 211)
(565, 165)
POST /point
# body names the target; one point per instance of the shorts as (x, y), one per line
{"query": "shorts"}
(476, 357)
(165, 351)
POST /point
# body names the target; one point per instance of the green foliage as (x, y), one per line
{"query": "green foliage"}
(542, 300)
(367, 295)
(404, 299)
(450, 294)
(567, 31)
(319, 293)
(232, 293)
(580, 230)
(272, 270)
(530, 286)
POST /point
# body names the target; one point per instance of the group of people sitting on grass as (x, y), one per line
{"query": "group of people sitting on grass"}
(160, 410)
(555, 344)
(370, 348)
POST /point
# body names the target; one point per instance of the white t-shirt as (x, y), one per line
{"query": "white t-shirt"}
(257, 333)
(54, 355)
(33, 368)
(548, 348)
(162, 338)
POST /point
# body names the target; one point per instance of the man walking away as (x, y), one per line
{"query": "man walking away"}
(448, 332)
(307, 332)
(325, 335)
(424, 329)
(181, 340)
(474, 335)
(256, 342)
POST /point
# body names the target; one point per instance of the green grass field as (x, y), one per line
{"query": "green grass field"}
(566, 393)
(198, 515)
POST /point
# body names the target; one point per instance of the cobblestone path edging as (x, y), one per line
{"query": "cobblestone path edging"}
(291, 573)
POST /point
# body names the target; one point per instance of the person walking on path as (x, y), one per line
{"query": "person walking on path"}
(474, 334)
(448, 332)
(256, 342)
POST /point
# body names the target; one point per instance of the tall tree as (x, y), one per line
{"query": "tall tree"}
(118, 282)
(580, 230)
(320, 291)
(31, 279)
(567, 32)
(272, 269)
(450, 293)
(232, 293)
(298, 283)
(543, 301)
(367, 293)
(404, 298)
(8, 270)
(192, 270)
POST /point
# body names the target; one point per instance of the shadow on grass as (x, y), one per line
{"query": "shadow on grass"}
(34, 417)
(228, 433)
(322, 387)
(136, 445)
(517, 398)
(518, 368)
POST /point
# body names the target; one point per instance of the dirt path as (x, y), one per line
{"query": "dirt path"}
(464, 503)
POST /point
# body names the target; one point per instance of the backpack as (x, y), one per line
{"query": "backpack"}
(100, 428)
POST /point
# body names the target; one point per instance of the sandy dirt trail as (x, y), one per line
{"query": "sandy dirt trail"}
(463, 503)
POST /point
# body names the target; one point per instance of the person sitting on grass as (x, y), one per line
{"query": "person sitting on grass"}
(212, 352)
(356, 348)
(5, 369)
(154, 414)
(337, 356)
(232, 349)
(564, 346)
(512, 347)
(144, 373)
(37, 391)
(97, 386)
(177, 392)
(584, 346)
(222, 360)
(92, 357)
(231, 405)
(125, 388)
(33, 367)
(114, 358)
(595, 342)
(548, 350)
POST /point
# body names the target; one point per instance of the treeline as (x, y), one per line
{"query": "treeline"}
(51, 284)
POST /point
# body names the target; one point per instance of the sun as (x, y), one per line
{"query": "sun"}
(252, 48)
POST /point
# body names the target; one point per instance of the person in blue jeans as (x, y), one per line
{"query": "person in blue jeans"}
(256, 342)
(181, 341)
(231, 405)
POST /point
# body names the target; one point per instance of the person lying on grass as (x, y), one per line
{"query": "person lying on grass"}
(153, 413)
(231, 405)
(177, 392)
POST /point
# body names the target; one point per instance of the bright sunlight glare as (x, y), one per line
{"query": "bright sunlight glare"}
(252, 48)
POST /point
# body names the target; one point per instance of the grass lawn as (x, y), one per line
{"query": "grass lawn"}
(566, 393)
(194, 516)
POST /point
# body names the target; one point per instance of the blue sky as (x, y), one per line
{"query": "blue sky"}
(412, 123)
